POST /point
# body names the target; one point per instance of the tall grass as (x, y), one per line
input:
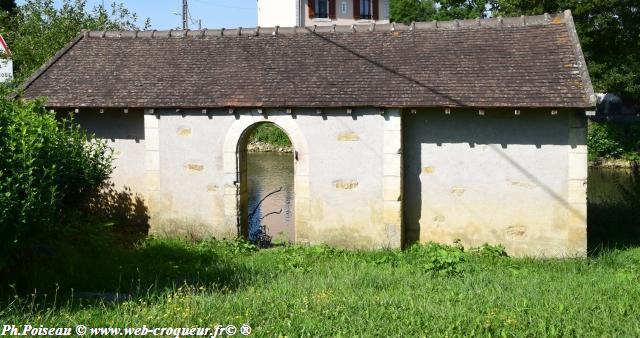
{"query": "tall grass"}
(319, 291)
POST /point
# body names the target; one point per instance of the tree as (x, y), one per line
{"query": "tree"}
(7, 5)
(38, 29)
(407, 11)
(462, 9)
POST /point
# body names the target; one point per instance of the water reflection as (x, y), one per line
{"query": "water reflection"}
(612, 216)
(266, 172)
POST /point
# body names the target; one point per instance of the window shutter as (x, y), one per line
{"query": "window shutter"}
(376, 9)
(356, 9)
(332, 9)
(312, 8)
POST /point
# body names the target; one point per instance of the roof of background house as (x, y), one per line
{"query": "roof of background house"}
(512, 62)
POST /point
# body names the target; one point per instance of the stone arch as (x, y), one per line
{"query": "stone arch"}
(233, 150)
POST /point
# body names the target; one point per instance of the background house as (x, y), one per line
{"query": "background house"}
(291, 13)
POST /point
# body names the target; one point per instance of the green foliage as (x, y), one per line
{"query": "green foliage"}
(47, 169)
(603, 141)
(406, 11)
(270, 134)
(490, 251)
(7, 5)
(37, 30)
(612, 140)
(240, 246)
(438, 258)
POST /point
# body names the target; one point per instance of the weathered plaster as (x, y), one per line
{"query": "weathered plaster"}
(366, 180)
(501, 178)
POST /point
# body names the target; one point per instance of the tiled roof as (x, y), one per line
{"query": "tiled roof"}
(511, 62)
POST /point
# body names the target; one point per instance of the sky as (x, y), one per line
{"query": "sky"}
(213, 13)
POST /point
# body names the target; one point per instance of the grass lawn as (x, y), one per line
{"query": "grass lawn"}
(318, 291)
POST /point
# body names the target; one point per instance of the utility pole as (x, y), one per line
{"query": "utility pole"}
(185, 14)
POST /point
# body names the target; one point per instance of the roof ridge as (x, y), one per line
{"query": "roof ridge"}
(499, 22)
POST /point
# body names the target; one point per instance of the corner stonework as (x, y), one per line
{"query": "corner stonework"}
(577, 185)
(392, 180)
(152, 163)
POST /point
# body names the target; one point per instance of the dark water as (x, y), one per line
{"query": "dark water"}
(267, 172)
(613, 216)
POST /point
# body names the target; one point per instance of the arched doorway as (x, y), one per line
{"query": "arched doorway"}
(236, 199)
(266, 165)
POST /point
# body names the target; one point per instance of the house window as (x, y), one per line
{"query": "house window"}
(322, 8)
(366, 9)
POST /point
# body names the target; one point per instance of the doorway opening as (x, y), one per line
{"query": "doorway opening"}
(266, 191)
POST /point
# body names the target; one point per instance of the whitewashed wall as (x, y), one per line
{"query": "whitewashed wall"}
(498, 178)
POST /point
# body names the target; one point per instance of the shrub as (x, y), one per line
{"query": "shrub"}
(614, 141)
(490, 251)
(604, 141)
(48, 168)
(439, 258)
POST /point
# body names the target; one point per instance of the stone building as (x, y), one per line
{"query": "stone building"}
(472, 130)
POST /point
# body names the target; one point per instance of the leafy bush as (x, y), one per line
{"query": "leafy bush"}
(439, 258)
(48, 168)
(490, 251)
(614, 141)
(603, 141)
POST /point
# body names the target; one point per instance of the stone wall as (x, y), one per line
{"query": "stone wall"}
(347, 173)
(500, 178)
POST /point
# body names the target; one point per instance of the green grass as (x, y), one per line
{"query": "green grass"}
(270, 134)
(317, 291)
